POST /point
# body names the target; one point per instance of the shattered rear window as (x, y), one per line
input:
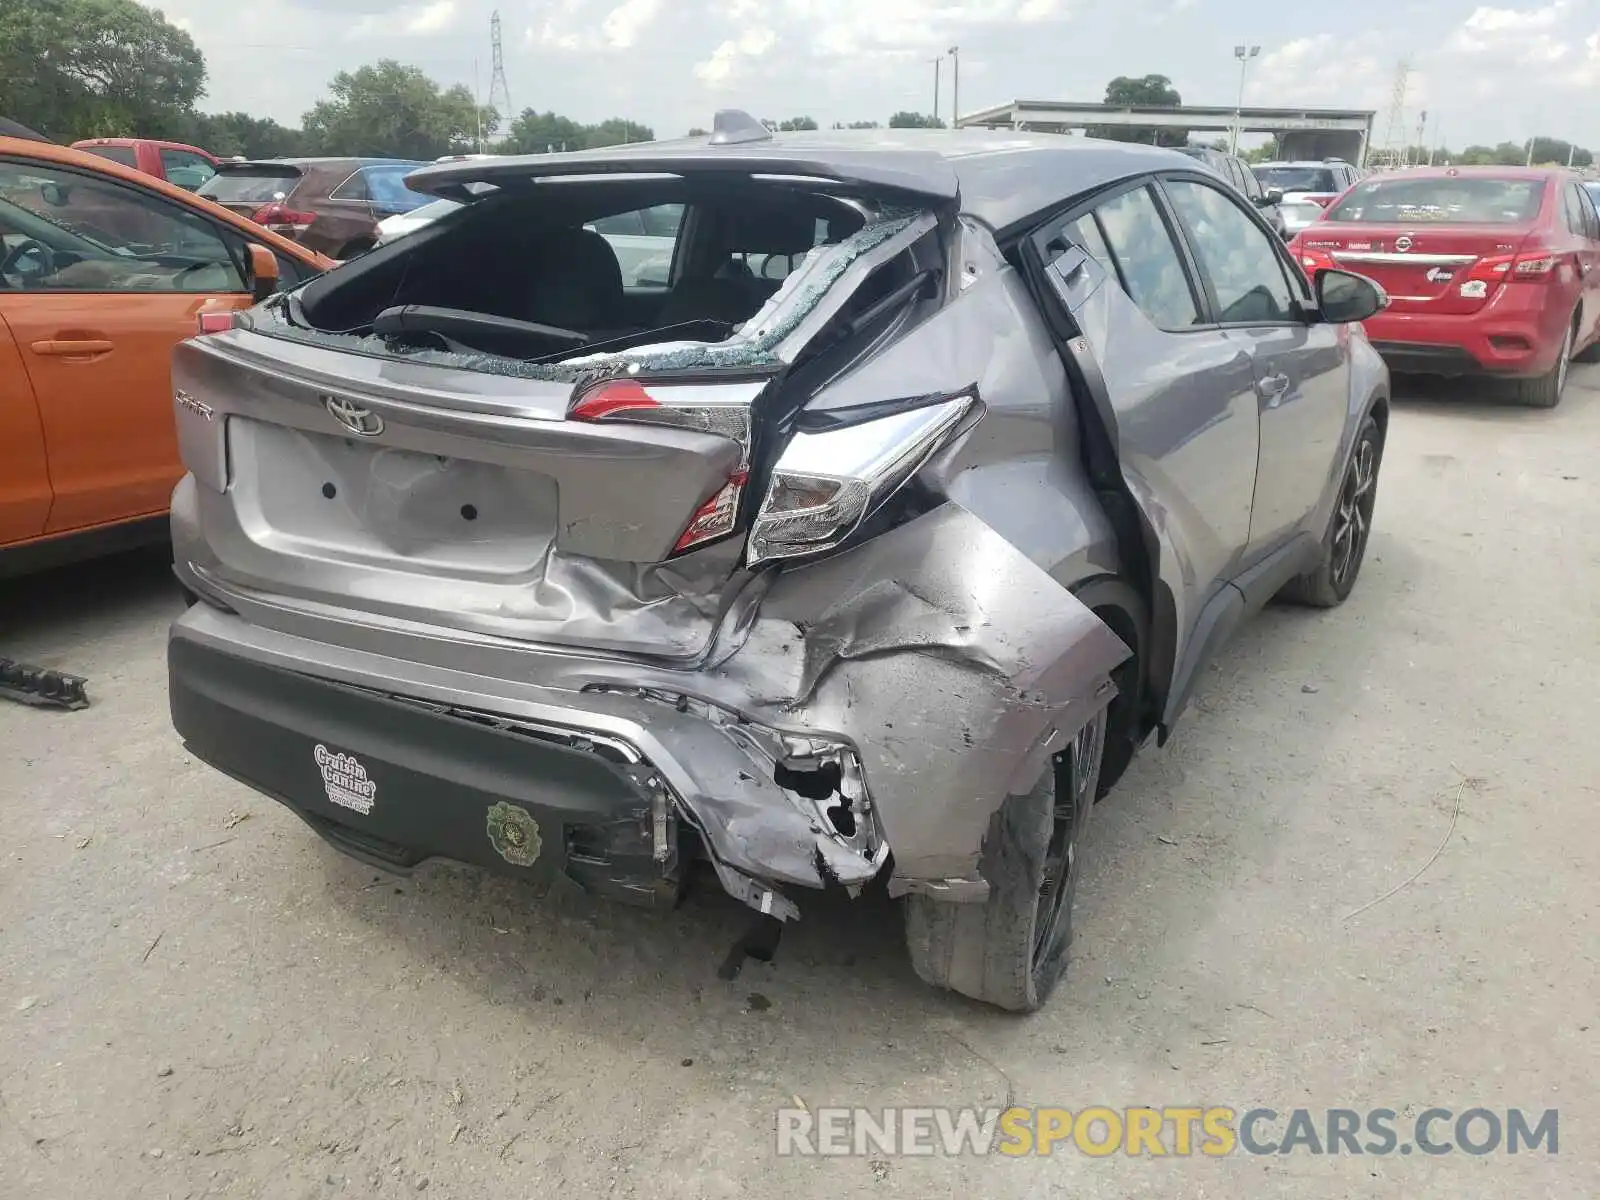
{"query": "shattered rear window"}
(753, 344)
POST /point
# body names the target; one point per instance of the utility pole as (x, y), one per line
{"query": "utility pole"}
(937, 63)
(499, 89)
(1530, 152)
(1244, 54)
(1438, 143)
(955, 85)
(477, 106)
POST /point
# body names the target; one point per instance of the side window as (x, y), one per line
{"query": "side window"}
(1577, 221)
(185, 168)
(353, 188)
(1148, 260)
(1086, 232)
(644, 241)
(117, 154)
(65, 232)
(1251, 186)
(1591, 219)
(1245, 271)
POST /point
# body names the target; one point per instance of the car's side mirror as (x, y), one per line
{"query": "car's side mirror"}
(1274, 196)
(263, 272)
(1344, 297)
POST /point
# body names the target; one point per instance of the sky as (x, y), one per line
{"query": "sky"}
(1482, 73)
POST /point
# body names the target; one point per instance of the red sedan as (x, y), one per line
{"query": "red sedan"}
(1489, 270)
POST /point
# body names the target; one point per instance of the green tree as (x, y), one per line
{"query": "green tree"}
(615, 131)
(536, 133)
(96, 68)
(857, 125)
(1143, 91)
(392, 109)
(698, 132)
(911, 120)
(230, 133)
(792, 125)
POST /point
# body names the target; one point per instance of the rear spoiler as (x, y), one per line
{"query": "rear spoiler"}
(920, 173)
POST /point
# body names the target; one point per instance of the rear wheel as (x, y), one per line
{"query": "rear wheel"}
(1011, 950)
(1345, 545)
(1546, 390)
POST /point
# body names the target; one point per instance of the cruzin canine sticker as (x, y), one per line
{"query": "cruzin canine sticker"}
(345, 780)
(514, 834)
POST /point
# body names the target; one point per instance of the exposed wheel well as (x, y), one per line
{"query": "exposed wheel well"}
(1115, 602)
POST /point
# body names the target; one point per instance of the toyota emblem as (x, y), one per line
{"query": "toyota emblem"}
(352, 416)
(1403, 242)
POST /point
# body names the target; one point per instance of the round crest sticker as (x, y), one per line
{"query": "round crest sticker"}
(514, 834)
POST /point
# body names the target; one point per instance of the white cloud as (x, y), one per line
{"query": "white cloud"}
(724, 62)
(624, 23)
(419, 20)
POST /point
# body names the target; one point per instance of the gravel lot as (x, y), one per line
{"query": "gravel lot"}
(198, 998)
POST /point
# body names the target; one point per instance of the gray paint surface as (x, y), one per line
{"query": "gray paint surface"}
(963, 619)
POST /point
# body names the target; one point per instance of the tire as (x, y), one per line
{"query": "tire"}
(1547, 389)
(1011, 950)
(1344, 546)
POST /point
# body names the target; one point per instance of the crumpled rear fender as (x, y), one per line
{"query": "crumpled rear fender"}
(956, 666)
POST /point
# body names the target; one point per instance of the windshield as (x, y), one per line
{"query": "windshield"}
(1441, 200)
(1297, 179)
(250, 185)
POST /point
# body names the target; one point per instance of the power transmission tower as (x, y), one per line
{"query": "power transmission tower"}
(499, 89)
(1393, 151)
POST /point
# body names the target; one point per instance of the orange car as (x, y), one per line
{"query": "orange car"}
(102, 270)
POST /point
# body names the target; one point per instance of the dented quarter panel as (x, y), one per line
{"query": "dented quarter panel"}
(955, 665)
(1018, 470)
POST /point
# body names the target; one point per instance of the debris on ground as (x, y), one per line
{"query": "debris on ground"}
(41, 687)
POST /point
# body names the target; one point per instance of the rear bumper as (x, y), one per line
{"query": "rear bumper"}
(1518, 334)
(926, 716)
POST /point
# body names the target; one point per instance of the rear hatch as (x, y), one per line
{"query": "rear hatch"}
(1307, 191)
(258, 191)
(1440, 245)
(420, 464)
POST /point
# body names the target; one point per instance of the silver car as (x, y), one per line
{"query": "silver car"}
(877, 574)
(1306, 188)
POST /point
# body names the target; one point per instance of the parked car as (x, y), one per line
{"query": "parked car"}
(882, 570)
(1491, 270)
(1307, 187)
(102, 270)
(1237, 172)
(330, 205)
(186, 166)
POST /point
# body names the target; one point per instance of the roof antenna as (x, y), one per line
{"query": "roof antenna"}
(734, 127)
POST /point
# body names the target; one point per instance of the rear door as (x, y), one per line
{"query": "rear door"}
(1584, 230)
(24, 474)
(1301, 367)
(94, 316)
(1181, 391)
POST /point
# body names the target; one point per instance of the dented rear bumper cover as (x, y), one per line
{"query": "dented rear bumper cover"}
(883, 701)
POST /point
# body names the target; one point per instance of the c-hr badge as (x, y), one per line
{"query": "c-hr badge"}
(514, 834)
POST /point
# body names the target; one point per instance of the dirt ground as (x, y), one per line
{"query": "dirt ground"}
(199, 998)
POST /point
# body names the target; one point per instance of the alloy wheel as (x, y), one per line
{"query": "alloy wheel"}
(1352, 520)
(1075, 790)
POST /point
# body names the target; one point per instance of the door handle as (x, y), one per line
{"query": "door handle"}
(1274, 386)
(72, 347)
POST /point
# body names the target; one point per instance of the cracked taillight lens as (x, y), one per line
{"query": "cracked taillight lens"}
(723, 409)
(828, 481)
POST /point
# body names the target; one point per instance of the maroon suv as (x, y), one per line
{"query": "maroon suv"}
(332, 205)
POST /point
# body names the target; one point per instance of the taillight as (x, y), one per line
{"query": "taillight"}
(826, 483)
(1526, 266)
(1322, 201)
(281, 219)
(218, 322)
(724, 409)
(1310, 258)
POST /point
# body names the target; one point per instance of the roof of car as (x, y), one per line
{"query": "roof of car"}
(1487, 171)
(1001, 176)
(333, 160)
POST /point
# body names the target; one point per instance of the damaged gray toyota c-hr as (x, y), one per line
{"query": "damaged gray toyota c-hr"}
(867, 544)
